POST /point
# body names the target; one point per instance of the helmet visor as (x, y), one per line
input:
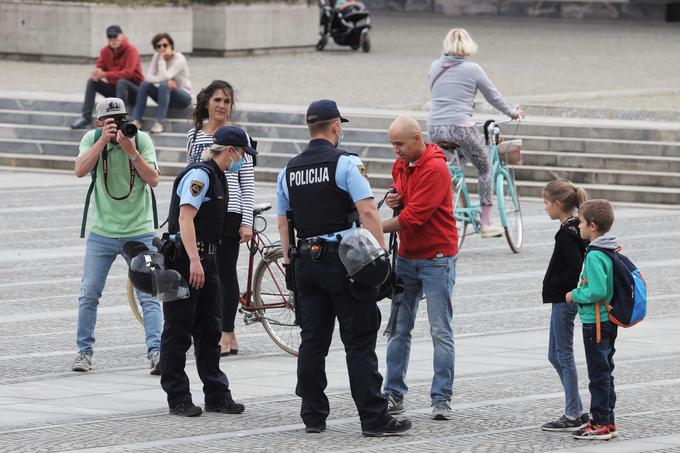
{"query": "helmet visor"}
(168, 285)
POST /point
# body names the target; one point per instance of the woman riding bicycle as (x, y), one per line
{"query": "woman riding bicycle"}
(454, 82)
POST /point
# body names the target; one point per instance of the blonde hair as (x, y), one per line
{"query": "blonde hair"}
(212, 151)
(569, 195)
(458, 42)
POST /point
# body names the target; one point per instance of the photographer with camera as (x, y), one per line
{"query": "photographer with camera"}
(122, 162)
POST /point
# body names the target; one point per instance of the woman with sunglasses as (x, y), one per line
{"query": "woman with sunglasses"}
(214, 109)
(166, 81)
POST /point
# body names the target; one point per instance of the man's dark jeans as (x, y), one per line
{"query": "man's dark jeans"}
(123, 89)
(600, 361)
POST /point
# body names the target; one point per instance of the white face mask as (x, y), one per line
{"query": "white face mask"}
(341, 135)
(236, 166)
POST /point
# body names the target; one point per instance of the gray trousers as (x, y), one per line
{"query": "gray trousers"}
(472, 148)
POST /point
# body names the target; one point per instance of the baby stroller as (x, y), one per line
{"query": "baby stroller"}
(347, 25)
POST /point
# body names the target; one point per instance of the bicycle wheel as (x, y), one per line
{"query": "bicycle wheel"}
(460, 202)
(134, 305)
(510, 210)
(269, 288)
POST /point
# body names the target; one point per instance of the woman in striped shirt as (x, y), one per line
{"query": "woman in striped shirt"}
(214, 107)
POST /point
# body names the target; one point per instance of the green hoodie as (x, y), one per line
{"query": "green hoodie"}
(596, 285)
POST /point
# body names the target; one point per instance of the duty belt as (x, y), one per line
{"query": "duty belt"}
(316, 247)
(206, 248)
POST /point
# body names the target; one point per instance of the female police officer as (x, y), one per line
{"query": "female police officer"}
(324, 188)
(197, 210)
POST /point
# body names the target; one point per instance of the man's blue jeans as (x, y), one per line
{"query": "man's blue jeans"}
(561, 355)
(100, 252)
(435, 279)
(164, 97)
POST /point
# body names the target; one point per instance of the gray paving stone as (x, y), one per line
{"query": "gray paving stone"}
(504, 387)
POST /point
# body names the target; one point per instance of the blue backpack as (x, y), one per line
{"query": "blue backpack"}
(629, 303)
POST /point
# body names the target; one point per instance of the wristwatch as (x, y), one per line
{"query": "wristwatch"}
(132, 156)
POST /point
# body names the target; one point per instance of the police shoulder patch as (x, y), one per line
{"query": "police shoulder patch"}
(363, 171)
(196, 187)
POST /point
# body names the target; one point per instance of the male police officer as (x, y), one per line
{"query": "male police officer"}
(197, 211)
(324, 188)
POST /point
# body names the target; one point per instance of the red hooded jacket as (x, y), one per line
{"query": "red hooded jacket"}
(428, 226)
(122, 63)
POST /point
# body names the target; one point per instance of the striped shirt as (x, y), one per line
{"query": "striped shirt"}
(241, 185)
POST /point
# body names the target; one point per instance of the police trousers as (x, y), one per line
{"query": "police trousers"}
(322, 295)
(197, 318)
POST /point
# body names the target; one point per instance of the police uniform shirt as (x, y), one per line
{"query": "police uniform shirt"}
(193, 187)
(350, 176)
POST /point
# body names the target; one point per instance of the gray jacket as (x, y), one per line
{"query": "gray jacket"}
(453, 93)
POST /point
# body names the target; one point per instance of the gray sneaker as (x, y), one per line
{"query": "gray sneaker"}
(441, 411)
(155, 362)
(395, 405)
(83, 362)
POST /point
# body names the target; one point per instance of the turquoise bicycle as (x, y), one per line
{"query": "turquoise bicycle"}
(468, 214)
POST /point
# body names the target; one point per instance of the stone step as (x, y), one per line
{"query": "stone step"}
(379, 166)
(365, 142)
(540, 166)
(630, 194)
(537, 126)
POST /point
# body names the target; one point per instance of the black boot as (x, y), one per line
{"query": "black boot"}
(225, 406)
(81, 123)
(186, 409)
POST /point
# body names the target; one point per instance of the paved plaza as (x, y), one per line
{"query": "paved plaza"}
(622, 65)
(504, 389)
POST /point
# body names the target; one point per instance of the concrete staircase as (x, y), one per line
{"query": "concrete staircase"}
(619, 160)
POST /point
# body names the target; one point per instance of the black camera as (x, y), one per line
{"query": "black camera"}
(128, 129)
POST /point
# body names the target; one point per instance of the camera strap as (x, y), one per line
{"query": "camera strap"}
(105, 167)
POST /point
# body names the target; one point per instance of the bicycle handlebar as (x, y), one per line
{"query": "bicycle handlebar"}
(500, 123)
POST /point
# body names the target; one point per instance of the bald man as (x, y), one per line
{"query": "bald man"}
(426, 263)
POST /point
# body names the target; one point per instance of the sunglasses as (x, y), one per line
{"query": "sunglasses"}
(162, 46)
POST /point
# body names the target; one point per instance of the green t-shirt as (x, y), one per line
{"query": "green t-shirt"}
(132, 216)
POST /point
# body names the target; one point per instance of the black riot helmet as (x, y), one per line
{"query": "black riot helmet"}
(366, 263)
(149, 274)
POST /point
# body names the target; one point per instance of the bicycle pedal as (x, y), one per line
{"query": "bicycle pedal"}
(250, 318)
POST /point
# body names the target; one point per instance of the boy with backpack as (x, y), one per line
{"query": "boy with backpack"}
(593, 295)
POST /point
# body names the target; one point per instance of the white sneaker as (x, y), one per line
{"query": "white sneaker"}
(155, 363)
(441, 410)
(157, 128)
(491, 231)
(83, 362)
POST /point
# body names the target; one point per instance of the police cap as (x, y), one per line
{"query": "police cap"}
(323, 110)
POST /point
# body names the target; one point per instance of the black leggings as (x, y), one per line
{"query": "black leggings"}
(227, 259)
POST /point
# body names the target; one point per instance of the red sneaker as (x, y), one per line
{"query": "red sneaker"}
(593, 432)
(612, 430)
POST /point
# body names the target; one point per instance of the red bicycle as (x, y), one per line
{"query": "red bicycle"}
(266, 298)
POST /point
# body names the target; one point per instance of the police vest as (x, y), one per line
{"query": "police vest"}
(319, 206)
(209, 221)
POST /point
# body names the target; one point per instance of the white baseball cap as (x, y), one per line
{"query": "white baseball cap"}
(110, 107)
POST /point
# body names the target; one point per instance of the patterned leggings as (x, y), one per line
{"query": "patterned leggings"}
(473, 149)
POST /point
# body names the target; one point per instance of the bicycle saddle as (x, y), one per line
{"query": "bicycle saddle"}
(260, 208)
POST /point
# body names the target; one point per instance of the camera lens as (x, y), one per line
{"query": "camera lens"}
(128, 129)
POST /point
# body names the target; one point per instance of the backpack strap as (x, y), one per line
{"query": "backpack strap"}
(598, 332)
(93, 174)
